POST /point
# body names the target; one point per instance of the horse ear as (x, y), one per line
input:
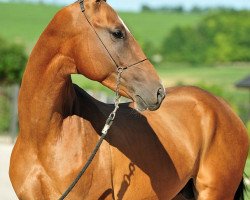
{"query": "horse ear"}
(98, 1)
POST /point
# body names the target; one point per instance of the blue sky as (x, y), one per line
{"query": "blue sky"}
(135, 5)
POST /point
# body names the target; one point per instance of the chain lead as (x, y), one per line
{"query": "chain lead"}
(104, 133)
(112, 115)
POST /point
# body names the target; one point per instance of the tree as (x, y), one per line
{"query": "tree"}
(146, 8)
(221, 37)
(12, 62)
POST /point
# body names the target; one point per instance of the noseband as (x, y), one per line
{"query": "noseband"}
(112, 115)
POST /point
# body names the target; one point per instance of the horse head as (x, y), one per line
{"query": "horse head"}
(101, 43)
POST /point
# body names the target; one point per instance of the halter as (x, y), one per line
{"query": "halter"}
(112, 115)
(81, 2)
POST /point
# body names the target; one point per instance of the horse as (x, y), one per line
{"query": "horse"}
(188, 145)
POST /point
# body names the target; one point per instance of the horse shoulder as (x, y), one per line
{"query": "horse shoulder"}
(211, 110)
(33, 182)
(224, 136)
(192, 121)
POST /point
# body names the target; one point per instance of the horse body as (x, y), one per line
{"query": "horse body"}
(193, 135)
(211, 136)
(149, 155)
(151, 159)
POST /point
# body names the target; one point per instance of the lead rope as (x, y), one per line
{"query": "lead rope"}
(105, 130)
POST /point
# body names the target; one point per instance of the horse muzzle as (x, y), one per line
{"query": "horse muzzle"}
(149, 102)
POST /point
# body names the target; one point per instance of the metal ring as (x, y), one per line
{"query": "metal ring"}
(112, 116)
(120, 69)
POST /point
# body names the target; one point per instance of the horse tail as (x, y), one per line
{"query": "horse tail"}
(239, 195)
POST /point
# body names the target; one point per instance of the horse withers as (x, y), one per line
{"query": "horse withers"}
(147, 155)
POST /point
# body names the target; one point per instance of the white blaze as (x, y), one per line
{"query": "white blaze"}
(124, 24)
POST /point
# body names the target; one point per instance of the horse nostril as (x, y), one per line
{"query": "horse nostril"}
(161, 94)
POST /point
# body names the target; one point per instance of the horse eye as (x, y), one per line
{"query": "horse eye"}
(118, 34)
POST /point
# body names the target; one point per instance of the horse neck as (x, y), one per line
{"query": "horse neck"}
(46, 93)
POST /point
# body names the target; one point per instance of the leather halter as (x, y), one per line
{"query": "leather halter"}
(81, 2)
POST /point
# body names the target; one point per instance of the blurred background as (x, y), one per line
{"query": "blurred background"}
(190, 42)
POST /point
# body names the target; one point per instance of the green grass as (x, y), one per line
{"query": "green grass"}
(155, 26)
(24, 22)
(225, 76)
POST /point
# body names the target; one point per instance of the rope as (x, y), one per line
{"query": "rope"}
(105, 130)
(65, 194)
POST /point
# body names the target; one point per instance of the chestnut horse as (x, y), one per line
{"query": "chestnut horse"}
(193, 141)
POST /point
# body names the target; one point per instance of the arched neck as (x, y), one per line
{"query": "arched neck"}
(46, 94)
